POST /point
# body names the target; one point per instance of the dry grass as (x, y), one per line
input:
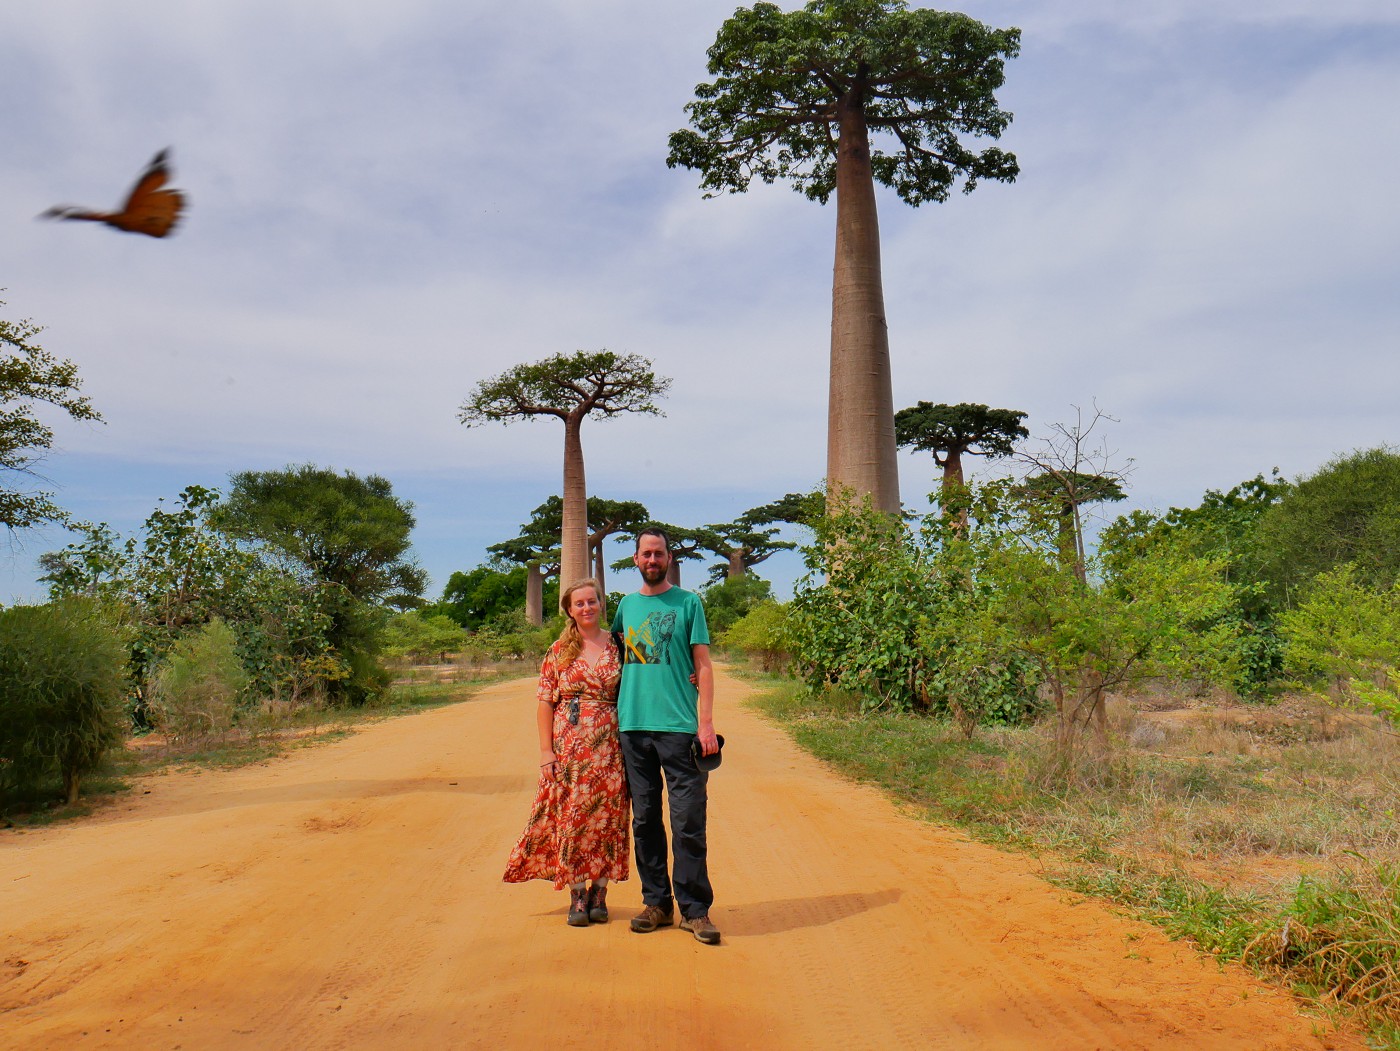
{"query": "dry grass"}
(1297, 781)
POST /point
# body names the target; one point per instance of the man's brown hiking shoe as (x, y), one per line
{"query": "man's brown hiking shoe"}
(652, 917)
(702, 928)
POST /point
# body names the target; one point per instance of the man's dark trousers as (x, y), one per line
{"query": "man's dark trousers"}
(650, 756)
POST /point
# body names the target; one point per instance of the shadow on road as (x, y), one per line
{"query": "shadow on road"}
(789, 914)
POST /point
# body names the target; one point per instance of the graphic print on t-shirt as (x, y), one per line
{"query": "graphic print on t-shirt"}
(647, 644)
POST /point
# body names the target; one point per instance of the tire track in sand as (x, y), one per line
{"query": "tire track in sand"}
(349, 896)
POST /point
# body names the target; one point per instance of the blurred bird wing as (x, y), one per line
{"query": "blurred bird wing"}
(156, 175)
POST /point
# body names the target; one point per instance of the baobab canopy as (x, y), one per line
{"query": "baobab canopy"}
(782, 81)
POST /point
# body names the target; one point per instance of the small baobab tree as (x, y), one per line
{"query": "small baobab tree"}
(951, 432)
(537, 549)
(608, 518)
(753, 536)
(1063, 493)
(571, 387)
(1071, 469)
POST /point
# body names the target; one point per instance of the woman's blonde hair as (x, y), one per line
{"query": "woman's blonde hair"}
(570, 641)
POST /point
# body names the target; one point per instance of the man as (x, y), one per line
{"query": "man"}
(661, 712)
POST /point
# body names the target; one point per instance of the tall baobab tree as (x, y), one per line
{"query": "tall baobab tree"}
(571, 387)
(796, 96)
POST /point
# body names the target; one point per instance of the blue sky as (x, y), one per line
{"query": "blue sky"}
(390, 203)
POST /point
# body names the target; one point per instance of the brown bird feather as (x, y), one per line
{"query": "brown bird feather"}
(148, 210)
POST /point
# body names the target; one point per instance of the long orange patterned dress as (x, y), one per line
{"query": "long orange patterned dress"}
(578, 827)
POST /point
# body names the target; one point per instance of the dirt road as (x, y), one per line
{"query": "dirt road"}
(349, 896)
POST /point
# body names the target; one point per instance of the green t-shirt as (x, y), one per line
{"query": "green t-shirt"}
(657, 633)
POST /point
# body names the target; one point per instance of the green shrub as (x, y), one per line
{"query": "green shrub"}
(512, 637)
(283, 641)
(426, 638)
(732, 598)
(1348, 511)
(62, 684)
(1348, 634)
(1225, 528)
(195, 693)
(856, 617)
(881, 616)
(762, 634)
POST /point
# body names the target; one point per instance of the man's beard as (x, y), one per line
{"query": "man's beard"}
(653, 574)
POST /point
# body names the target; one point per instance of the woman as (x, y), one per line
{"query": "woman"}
(577, 835)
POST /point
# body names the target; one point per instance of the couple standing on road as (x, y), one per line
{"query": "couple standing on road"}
(641, 699)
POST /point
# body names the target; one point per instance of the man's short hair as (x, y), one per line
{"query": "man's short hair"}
(653, 531)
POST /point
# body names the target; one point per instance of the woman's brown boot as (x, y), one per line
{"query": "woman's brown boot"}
(598, 904)
(578, 907)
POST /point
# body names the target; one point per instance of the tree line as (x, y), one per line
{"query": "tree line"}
(273, 596)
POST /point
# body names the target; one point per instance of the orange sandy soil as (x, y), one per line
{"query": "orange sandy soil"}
(349, 896)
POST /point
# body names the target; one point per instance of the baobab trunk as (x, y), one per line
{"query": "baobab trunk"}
(860, 448)
(674, 573)
(1069, 540)
(952, 469)
(573, 538)
(534, 594)
(736, 564)
(600, 571)
(953, 486)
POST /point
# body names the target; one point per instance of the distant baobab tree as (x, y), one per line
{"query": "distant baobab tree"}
(571, 387)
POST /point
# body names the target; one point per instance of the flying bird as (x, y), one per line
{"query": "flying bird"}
(149, 209)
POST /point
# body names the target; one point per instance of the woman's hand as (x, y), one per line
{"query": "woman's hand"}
(547, 762)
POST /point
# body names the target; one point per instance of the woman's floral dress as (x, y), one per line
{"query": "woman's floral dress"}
(578, 827)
